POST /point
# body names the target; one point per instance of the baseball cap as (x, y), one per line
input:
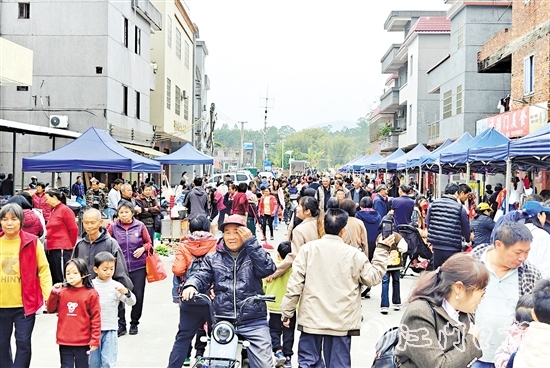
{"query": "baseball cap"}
(94, 180)
(484, 207)
(233, 219)
(34, 177)
(381, 187)
(533, 208)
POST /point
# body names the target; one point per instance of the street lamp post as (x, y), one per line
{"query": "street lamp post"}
(289, 160)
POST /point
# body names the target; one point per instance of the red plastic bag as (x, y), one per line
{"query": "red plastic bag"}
(154, 268)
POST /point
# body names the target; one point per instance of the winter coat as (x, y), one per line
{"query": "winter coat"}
(380, 204)
(196, 244)
(235, 279)
(362, 193)
(539, 255)
(104, 243)
(483, 226)
(371, 219)
(325, 279)
(356, 234)
(272, 206)
(533, 351)
(445, 224)
(509, 345)
(32, 223)
(425, 342)
(129, 240)
(149, 209)
(61, 229)
(101, 197)
(196, 202)
(39, 201)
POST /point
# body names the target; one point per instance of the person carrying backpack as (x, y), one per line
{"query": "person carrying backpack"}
(188, 259)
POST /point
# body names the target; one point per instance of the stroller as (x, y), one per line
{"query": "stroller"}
(418, 257)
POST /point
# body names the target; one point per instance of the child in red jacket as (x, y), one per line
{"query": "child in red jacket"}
(267, 208)
(79, 322)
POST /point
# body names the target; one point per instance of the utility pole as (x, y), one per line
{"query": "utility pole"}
(242, 144)
(266, 106)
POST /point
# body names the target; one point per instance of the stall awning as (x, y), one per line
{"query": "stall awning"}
(17, 127)
(146, 150)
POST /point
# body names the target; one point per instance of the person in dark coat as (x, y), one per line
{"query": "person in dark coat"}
(493, 199)
(381, 200)
(482, 224)
(7, 186)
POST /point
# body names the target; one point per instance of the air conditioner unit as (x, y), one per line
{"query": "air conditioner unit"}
(59, 121)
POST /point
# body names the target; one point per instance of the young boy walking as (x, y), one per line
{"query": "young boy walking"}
(110, 292)
(283, 353)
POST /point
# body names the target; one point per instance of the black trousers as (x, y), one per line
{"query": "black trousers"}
(440, 256)
(277, 330)
(267, 219)
(200, 346)
(73, 356)
(138, 279)
(57, 258)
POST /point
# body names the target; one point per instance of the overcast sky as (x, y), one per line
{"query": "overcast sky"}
(318, 60)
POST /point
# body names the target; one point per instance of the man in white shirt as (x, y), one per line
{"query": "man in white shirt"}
(114, 198)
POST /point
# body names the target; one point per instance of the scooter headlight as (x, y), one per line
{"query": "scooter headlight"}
(223, 332)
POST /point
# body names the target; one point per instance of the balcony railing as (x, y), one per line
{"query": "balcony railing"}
(389, 143)
(389, 101)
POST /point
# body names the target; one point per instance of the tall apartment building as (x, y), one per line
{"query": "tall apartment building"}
(426, 41)
(522, 53)
(92, 67)
(464, 95)
(172, 101)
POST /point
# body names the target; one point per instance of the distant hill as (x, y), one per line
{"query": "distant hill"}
(335, 125)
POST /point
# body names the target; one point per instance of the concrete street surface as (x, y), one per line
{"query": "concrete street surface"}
(159, 323)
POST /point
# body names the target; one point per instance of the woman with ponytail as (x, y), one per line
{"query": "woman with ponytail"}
(311, 228)
(437, 328)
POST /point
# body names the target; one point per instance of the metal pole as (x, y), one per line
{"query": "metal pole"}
(439, 181)
(13, 164)
(508, 184)
(467, 173)
(282, 154)
(420, 179)
(52, 184)
(242, 144)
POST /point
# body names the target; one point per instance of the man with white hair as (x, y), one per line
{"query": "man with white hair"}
(357, 192)
(324, 192)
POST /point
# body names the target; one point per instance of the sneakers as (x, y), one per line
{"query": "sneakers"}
(121, 330)
(133, 330)
(280, 359)
(288, 363)
(187, 362)
(384, 310)
(397, 307)
(271, 237)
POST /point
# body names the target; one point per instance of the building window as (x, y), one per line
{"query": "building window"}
(460, 35)
(459, 100)
(433, 131)
(138, 105)
(24, 10)
(529, 75)
(178, 43)
(410, 114)
(125, 32)
(169, 31)
(448, 104)
(138, 41)
(22, 88)
(178, 100)
(168, 93)
(186, 108)
(411, 65)
(186, 54)
(125, 100)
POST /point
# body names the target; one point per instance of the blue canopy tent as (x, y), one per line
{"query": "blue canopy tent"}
(433, 158)
(415, 153)
(186, 155)
(349, 165)
(415, 162)
(383, 164)
(361, 165)
(94, 151)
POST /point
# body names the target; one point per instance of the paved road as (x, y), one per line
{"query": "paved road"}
(151, 347)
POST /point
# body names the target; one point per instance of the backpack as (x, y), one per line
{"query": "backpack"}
(385, 347)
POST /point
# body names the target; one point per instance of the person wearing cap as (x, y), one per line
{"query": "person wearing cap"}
(235, 272)
(380, 202)
(482, 224)
(34, 181)
(540, 246)
(95, 197)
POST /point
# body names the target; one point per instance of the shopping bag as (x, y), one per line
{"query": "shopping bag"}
(154, 268)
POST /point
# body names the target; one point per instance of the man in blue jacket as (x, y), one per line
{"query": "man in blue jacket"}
(235, 272)
(381, 200)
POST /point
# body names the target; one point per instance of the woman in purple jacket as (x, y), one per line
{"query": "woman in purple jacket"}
(135, 242)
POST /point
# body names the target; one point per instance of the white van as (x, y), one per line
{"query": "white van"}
(237, 177)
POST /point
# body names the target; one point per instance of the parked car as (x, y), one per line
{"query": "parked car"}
(241, 176)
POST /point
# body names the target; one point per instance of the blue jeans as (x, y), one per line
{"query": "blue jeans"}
(336, 351)
(106, 355)
(276, 217)
(82, 202)
(110, 212)
(480, 364)
(259, 352)
(10, 317)
(396, 292)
